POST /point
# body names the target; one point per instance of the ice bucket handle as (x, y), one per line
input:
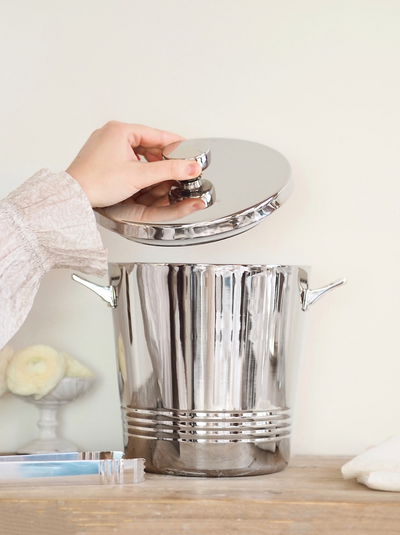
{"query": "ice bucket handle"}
(107, 293)
(308, 296)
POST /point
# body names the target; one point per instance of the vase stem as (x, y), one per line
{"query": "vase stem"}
(48, 422)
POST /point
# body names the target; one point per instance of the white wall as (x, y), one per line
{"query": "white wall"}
(319, 80)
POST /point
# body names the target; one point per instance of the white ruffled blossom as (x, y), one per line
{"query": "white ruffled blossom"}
(74, 368)
(6, 355)
(35, 370)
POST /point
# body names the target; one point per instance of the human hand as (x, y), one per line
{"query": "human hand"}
(151, 205)
(109, 170)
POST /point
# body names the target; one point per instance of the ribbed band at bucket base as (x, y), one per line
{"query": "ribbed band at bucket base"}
(207, 426)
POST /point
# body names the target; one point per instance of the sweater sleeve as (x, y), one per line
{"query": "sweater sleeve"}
(46, 223)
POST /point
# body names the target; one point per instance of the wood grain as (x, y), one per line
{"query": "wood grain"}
(309, 497)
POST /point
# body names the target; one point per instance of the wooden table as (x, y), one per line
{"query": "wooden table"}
(309, 497)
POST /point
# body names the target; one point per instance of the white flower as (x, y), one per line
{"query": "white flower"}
(35, 370)
(5, 356)
(74, 368)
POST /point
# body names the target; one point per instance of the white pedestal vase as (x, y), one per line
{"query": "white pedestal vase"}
(67, 390)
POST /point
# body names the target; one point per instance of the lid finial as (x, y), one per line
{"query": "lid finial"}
(198, 187)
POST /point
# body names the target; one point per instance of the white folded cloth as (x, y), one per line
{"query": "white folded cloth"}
(378, 468)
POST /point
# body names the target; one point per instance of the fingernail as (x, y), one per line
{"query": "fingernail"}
(197, 206)
(193, 169)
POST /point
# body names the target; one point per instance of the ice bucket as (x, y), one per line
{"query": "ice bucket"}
(208, 359)
(207, 354)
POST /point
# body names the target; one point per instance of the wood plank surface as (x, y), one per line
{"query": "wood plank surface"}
(309, 497)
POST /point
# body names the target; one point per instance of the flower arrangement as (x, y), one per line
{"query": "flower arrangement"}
(37, 370)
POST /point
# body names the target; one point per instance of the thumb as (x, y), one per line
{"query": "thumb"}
(147, 174)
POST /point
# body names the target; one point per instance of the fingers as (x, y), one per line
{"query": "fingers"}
(147, 174)
(132, 211)
(151, 154)
(168, 213)
(156, 195)
(172, 212)
(139, 135)
(145, 136)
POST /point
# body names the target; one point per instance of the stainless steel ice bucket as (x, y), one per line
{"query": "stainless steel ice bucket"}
(208, 358)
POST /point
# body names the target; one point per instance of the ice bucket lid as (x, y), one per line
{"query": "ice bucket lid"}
(241, 184)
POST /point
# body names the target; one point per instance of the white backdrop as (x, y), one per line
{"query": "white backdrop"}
(318, 80)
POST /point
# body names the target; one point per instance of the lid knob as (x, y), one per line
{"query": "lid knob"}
(196, 188)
